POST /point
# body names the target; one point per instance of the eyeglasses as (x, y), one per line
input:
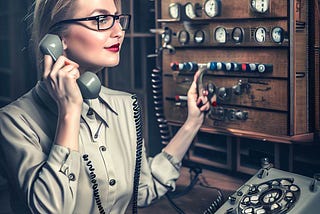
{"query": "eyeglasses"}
(102, 22)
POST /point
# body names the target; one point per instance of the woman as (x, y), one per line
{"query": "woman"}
(63, 154)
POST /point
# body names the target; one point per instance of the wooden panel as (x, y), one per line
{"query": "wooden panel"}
(273, 123)
(213, 150)
(279, 59)
(278, 100)
(230, 9)
(261, 93)
(301, 68)
(249, 27)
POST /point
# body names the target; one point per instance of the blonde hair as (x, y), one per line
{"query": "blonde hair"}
(46, 13)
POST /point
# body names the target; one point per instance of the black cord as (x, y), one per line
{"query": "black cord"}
(178, 209)
(216, 204)
(138, 122)
(156, 79)
(193, 181)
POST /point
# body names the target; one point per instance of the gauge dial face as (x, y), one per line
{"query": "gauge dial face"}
(259, 6)
(183, 37)
(174, 10)
(277, 34)
(237, 35)
(260, 34)
(189, 10)
(199, 37)
(211, 8)
(220, 35)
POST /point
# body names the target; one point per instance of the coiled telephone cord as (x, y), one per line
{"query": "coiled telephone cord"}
(138, 123)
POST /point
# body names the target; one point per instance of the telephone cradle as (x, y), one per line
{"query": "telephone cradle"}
(273, 191)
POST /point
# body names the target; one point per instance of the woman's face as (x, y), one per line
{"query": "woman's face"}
(90, 48)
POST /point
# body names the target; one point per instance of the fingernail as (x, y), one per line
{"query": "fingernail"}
(66, 63)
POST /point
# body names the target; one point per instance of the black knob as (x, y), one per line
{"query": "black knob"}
(211, 89)
(232, 200)
(232, 115)
(190, 66)
(241, 115)
(222, 92)
(237, 89)
(174, 66)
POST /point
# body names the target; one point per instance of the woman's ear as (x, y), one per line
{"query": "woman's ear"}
(64, 44)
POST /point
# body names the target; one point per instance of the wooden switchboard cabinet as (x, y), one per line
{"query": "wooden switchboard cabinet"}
(261, 61)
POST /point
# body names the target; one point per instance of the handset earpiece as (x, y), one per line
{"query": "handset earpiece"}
(88, 82)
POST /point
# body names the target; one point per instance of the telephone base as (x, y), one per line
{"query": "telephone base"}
(274, 191)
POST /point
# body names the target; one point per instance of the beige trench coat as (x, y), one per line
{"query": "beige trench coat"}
(47, 178)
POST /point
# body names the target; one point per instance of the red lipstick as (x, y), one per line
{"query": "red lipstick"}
(114, 48)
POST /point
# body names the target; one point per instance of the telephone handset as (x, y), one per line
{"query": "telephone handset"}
(88, 82)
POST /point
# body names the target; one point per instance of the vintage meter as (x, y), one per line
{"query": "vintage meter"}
(260, 34)
(212, 8)
(189, 10)
(259, 6)
(183, 37)
(175, 10)
(220, 35)
(277, 34)
(237, 35)
(199, 36)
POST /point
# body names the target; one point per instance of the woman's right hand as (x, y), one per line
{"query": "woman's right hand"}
(60, 78)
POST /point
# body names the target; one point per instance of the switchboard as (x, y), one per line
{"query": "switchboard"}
(257, 62)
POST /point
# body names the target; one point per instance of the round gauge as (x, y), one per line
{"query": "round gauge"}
(277, 34)
(260, 34)
(189, 10)
(183, 37)
(237, 35)
(259, 6)
(220, 35)
(174, 10)
(199, 36)
(212, 8)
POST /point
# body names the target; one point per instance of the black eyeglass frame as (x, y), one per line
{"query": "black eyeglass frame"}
(97, 19)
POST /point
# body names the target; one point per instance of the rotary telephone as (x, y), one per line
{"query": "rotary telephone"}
(273, 191)
(88, 82)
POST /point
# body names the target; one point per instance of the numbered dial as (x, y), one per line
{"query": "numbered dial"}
(189, 11)
(260, 34)
(277, 34)
(259, 6)
(174, 10)
(212, 8)
(220, 35)
(237, 35)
